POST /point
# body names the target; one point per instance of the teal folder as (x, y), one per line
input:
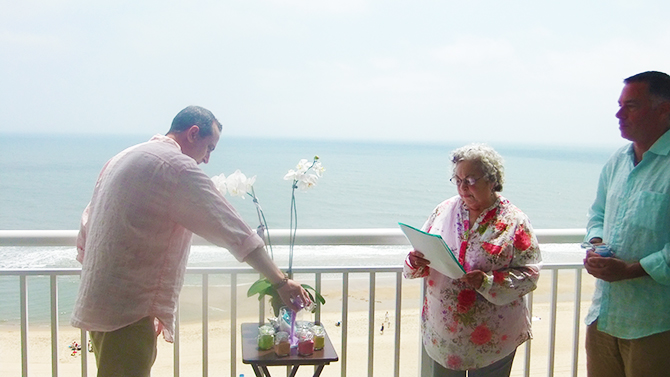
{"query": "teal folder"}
(435, 250)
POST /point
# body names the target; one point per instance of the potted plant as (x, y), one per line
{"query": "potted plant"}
(303, 177)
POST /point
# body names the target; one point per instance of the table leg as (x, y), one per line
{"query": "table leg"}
(318, 370)
(266, 371)
(257, 371)
(294, 370)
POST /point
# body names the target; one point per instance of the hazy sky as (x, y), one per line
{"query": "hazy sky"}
(505, 71)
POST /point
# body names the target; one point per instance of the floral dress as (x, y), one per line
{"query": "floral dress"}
(463, 328)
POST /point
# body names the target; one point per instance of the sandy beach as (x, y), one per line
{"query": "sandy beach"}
(219, 330)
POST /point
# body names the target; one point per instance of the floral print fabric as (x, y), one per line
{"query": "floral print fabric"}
(463, 328)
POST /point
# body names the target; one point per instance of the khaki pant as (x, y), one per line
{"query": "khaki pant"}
(607, 356)
(127, 352)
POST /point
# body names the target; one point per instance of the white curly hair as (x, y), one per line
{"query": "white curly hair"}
(488, 159)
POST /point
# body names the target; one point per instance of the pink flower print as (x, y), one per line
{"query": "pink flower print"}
(461, 252)
(500, 226)
(454, 362)
(491, 248)
(431, 282)
(466, 299)
(452, 327)
(489, 216)
(521, 239)
(481, 335)
(499, 277)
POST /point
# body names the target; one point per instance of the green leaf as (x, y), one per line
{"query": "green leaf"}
(260, 287)
(318, 296)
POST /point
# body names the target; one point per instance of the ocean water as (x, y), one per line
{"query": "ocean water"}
(46, 181)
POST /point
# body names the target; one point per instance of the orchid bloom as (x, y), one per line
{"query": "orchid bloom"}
(307, 181)
(293, 175)
(318, 169)
(301, 177)
(220, 183)
(238, 184)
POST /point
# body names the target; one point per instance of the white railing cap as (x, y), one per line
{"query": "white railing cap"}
(372, 236)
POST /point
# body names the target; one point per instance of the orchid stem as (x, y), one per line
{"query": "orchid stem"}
(262, 221)
(293, 229)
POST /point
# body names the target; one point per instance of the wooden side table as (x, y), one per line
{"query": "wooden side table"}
(260, 360)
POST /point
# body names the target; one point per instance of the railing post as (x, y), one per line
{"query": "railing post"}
(528, 342)
(54, 326)
(345, 322)
(577, 320)
(317, 286)
(552, 322)
(175, 355)
(205, 323)
(24, 325)
(233, 325)
(371, 326)
(84, 355)
(398, 311)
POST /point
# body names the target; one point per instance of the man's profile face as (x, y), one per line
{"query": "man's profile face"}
(638, 117)
(200, 148)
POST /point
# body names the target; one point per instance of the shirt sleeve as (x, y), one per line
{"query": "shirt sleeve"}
(596, 214)
(505, 285)
(199, 207)
(81, 237)
(657, 265)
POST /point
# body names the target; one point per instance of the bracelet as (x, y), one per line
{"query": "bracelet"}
(281, 283)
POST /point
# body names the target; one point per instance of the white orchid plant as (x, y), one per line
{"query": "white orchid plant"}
(305, 176)
(237, 184)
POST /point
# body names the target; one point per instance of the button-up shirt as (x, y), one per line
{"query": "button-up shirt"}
(632, 214)
(136, 233)
(463, 328)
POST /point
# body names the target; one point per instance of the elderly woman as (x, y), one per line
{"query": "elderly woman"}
(476, 323)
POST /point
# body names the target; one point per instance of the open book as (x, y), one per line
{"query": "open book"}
(435, 250)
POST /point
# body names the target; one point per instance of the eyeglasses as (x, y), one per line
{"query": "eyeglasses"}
(469, 181)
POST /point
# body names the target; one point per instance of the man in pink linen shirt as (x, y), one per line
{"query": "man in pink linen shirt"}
(135, 239)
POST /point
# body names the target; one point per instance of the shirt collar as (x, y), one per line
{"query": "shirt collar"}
(662, 145)
(165, 139)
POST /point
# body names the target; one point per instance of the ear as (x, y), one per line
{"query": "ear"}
(192, 133)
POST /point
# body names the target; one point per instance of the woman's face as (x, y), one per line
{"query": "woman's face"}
(478, 196)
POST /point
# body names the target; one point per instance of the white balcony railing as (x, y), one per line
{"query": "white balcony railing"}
(222, 296)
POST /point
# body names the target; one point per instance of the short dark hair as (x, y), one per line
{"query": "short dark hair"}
(658, 82)
(194, 116)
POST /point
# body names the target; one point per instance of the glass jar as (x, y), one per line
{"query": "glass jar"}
(282, 344)
(319, 337)
(305, 342)
(266, 337)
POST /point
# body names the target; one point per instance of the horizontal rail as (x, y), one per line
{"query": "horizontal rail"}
(376, 236)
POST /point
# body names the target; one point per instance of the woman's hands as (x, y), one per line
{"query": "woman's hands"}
(417, 261)
(475, 278)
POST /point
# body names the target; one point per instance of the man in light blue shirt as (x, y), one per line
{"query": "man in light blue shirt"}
(628, 331)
